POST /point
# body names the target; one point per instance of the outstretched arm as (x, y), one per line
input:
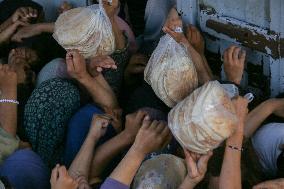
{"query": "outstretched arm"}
(203, 70)
(8, 89)
(151, 137)
(32, 30)
(261, 112)
(105, 153)
(230, 177)
(97, 87)
(80, 167)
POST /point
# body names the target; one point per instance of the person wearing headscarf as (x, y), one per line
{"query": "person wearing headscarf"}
(46, 116)
(54, 69)
(24, 169)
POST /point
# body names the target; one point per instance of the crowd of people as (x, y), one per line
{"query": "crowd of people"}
(69, 122)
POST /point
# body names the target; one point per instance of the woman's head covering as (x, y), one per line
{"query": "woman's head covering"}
(87, 29)
(160, 172)
(54, 69)
(46, 116)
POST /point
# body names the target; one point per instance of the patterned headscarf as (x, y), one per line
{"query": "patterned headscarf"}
(47, 113)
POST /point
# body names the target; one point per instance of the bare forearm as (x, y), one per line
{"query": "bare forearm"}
(127, 168)
(107, 151)
(99, 94)
(6, 24)
(187, 184)
(82, 163)
(230, 177)
(256, 117)
(119, 37)
(46, 27)
(202, 72)
(8, 111)
(209, 71)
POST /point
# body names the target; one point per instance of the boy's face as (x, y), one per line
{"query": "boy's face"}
(21, 60)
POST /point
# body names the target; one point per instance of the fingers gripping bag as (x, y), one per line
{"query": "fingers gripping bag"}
(171, 72)
(203, 120)
(87, 29)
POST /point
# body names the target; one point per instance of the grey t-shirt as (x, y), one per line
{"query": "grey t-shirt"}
(267, 143)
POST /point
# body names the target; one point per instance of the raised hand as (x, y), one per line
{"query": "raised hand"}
(234, 62)
(76, 65)
(8, 32)
(24, 14)
(196, 167)
(26, 32)
(60, 179)
(99, 63)
(153, 136)
(111, 8)
(99, 126)
(172, 23)
(65, 6)
(134, 122)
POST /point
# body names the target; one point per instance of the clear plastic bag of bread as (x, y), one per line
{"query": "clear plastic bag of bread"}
(203, 120)
(87, 29)
(170, 71)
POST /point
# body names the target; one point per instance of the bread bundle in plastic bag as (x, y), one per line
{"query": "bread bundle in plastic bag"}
(171, 72)
(203, 120)
(87, 29)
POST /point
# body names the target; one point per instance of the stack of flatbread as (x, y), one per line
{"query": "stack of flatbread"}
(203, 120)
(171, 72)
(86, 29)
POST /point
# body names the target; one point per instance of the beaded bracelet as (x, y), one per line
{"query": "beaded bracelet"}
(236, 148)
(9, 101)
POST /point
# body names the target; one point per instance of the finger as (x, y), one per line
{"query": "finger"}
(30, 12)
(193, 172)
(168, 139)
(226, 56)
(194, 34)
(230, 53)
(55, 173)
(170, 32)
(160, 127)
(243, 56)
(154, 125)
(25, 11)
(166, 131)
(34, 13)
(189, 33)
(21, 12)
(62, 171)
(140, 116)
(146, 123)
(203, 161)
(99, 69)
(236, 54)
